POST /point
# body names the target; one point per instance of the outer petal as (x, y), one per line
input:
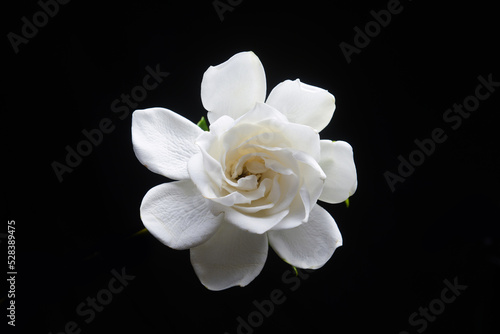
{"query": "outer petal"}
(233, 87)
(231, 257)
(309, 245)
(164, 141)
(302, 103)
(337, 162)
(177, 215)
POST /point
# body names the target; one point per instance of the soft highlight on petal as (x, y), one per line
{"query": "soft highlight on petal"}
(177, 215)
(231, 257)
(310, 245)
(233, 87)
(164, 141)
(303, 104)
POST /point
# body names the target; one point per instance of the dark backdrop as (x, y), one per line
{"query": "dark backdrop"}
(402, 248)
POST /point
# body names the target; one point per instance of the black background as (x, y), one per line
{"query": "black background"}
(399, 247)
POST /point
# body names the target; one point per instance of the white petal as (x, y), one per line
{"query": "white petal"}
(295, 216)
(201, 178)
(231, 257)
(313, 181)
(309, 245)
(277, 166)
(259, 222)
(164, 141)
(267, 127)
(222, 124)
(302, 103)
(177, 215)
(233, 87)
(259, 202)
(259, 112)
(284, 192)
(337, 162)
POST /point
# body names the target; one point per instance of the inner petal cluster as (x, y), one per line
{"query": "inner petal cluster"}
(259, 168)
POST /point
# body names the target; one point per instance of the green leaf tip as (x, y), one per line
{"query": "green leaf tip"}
(144, 230)
(203, 124)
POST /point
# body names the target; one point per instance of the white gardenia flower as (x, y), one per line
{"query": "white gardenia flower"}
(253, 180)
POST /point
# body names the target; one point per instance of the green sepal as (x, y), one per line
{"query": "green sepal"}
(203, 124)
(144, 230)
(294, 268)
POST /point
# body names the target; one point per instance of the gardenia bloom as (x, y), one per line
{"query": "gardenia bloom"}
(253, 180)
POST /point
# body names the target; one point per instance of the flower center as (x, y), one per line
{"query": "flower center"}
(248, 171)
(245, 173)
